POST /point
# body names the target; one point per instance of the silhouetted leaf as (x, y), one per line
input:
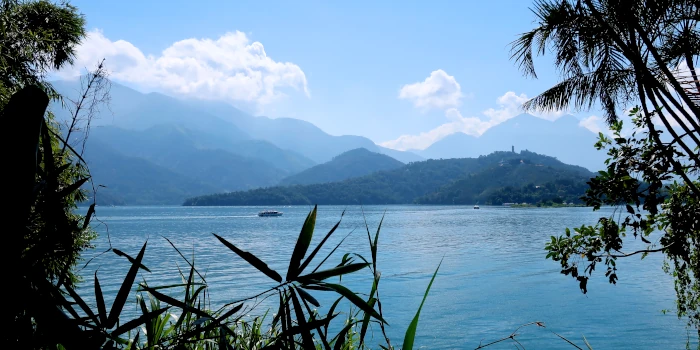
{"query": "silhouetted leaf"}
(138, 321)
(124, 290)
(174, 302)
(318, 247)
(82, 304)
(306, 296)
(252, 259)
(100, 301)
(353, 298)
(88, 216)
(303, 242)
(131, 260)
(304, 328)
(336, 271)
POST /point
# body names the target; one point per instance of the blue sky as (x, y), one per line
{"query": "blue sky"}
(346, 66)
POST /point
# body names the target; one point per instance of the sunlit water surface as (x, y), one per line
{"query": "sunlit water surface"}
(494, 276)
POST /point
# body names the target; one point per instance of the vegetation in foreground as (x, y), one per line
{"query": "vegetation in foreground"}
(615, 54)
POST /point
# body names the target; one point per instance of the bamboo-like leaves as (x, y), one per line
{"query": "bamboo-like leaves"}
(336, 271)
(353, 298)
(131, 260)
(303, 242)
(145, 318)
(306, 296)
(124, 290)
(252, 259)
(318, 247)
(411, 331)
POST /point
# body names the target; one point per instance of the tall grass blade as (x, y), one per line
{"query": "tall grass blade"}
(124, 290)
(252, 259)
(303, 242)
(413, 327)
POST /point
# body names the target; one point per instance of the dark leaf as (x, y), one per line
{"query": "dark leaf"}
(336, 271)
(131, 260)
(318, 247)
(304, 328)
(124, 290)
(353, 298)
(303, 242)
(306, 296)
(99, 299)
(252, 259)
(137, 322)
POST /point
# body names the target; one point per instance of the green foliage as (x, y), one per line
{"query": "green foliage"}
(610, 53)
(36, 37)
(198, 326)
(422, 182)
(662, 216)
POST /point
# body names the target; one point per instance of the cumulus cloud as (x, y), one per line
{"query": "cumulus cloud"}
(458, 123)
(230, 68)
(509, 106)
(440, 90)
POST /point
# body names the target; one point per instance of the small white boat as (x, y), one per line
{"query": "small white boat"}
(476, 206)
(270, 213)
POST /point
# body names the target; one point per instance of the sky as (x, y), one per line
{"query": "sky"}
(404, 74)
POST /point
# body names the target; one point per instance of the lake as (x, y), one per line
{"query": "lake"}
(494, 276)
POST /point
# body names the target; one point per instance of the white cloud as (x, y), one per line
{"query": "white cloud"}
(439, 90)
(230, 68)
(592, 123)
(509, 106)
(458, 123)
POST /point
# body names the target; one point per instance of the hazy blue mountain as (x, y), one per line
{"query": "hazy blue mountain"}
(137, 181)
(354, 163)
(426, 181)
(131, 109)
(298, 135)
(179, 149)
(167, 141)
(563, 139)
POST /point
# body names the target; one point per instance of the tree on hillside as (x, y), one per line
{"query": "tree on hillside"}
(617, 54)
(46, 234)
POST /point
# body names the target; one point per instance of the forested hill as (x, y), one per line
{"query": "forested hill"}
(353, 163)
(430, 181)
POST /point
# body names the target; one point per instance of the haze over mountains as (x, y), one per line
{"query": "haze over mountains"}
(562, 138)
(180, 149)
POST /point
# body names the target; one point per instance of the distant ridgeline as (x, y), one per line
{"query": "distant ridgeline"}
(500, 177)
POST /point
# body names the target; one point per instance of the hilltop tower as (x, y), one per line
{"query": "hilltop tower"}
(512, 149)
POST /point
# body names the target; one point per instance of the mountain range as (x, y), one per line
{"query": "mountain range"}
(353, 163)
(445, 181)
(184, 148)
(563, 138)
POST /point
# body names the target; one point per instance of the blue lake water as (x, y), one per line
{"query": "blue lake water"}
(494, 276)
